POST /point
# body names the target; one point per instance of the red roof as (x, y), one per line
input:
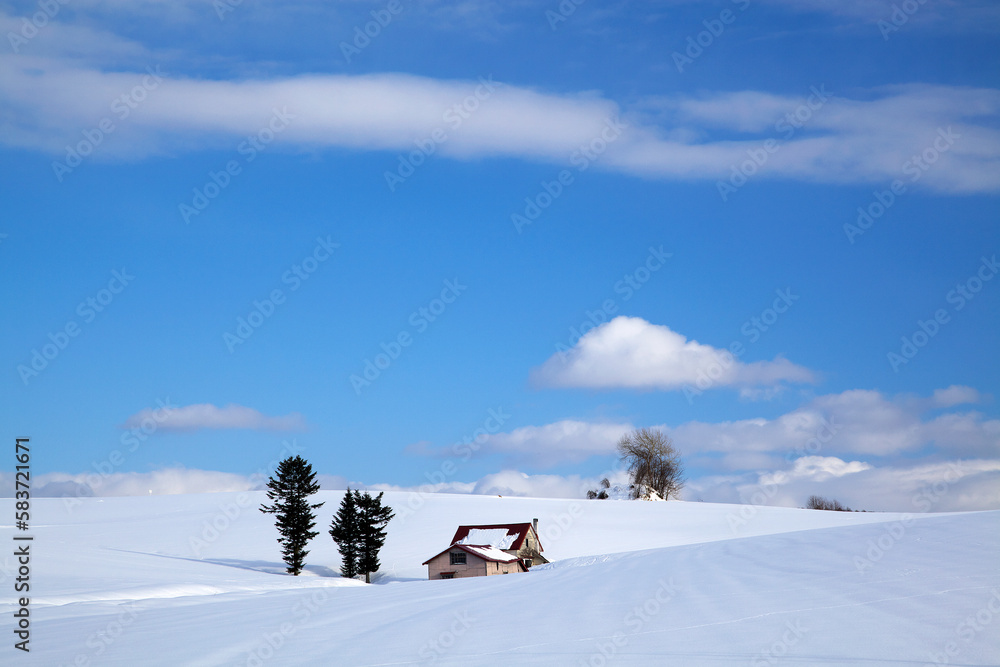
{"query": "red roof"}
(484, 552)
(519, 530)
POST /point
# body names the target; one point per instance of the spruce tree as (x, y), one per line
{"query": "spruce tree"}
(373, 518)
(346, 532)
(288, 489)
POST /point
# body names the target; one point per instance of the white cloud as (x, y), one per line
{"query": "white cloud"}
(959, 485)
(566, 441)
(515, 483)
(62, 39)
(949, 486)
(48, 102)
(629, 352)
(438, 487)
(206, 415)
(939, 15)
(852, 423)
(166, 481)
(815, 469)
(955, 395)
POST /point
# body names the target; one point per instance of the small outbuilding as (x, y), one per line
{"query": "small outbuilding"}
(488, 549)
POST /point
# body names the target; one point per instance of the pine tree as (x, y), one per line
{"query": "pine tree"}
(288, 489)
(346, 532)
(373, 520)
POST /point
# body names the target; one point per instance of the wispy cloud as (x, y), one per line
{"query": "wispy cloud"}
(955, 395)
(208, 416)
(854, 424)
(566, 441)
(47, 102)
(631, 353)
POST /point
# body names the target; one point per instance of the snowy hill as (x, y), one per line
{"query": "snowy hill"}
(195, 580)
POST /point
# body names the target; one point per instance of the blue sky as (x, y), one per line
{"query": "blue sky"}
(564, 225)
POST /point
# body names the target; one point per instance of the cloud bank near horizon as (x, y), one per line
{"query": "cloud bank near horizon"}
(960, 485)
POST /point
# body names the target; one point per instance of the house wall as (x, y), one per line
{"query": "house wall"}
(474, 566)
(501, 568)
(529, 549)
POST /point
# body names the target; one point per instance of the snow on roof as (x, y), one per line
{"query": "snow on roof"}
(489, 553)
(515, 532)
(494, 537)
(483, 551)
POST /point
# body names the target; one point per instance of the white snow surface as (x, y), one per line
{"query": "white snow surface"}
(125, 581)
(494, 537)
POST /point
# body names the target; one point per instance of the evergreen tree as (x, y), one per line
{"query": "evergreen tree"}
(373, 518)
(346, 532)
(288, 489)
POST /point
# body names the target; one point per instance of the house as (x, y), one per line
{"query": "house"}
(485, 550)
(467, 560)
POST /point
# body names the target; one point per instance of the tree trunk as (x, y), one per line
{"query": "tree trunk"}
(368, 579)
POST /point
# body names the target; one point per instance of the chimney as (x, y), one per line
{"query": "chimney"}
(534, 524)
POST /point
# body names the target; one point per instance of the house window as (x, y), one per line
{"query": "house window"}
(447, 575)
(527, 563)
(457, 558)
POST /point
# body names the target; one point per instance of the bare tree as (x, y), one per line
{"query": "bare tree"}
(653, 462)
(821, 503)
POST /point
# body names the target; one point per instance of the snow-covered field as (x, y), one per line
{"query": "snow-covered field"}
(151, 581)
